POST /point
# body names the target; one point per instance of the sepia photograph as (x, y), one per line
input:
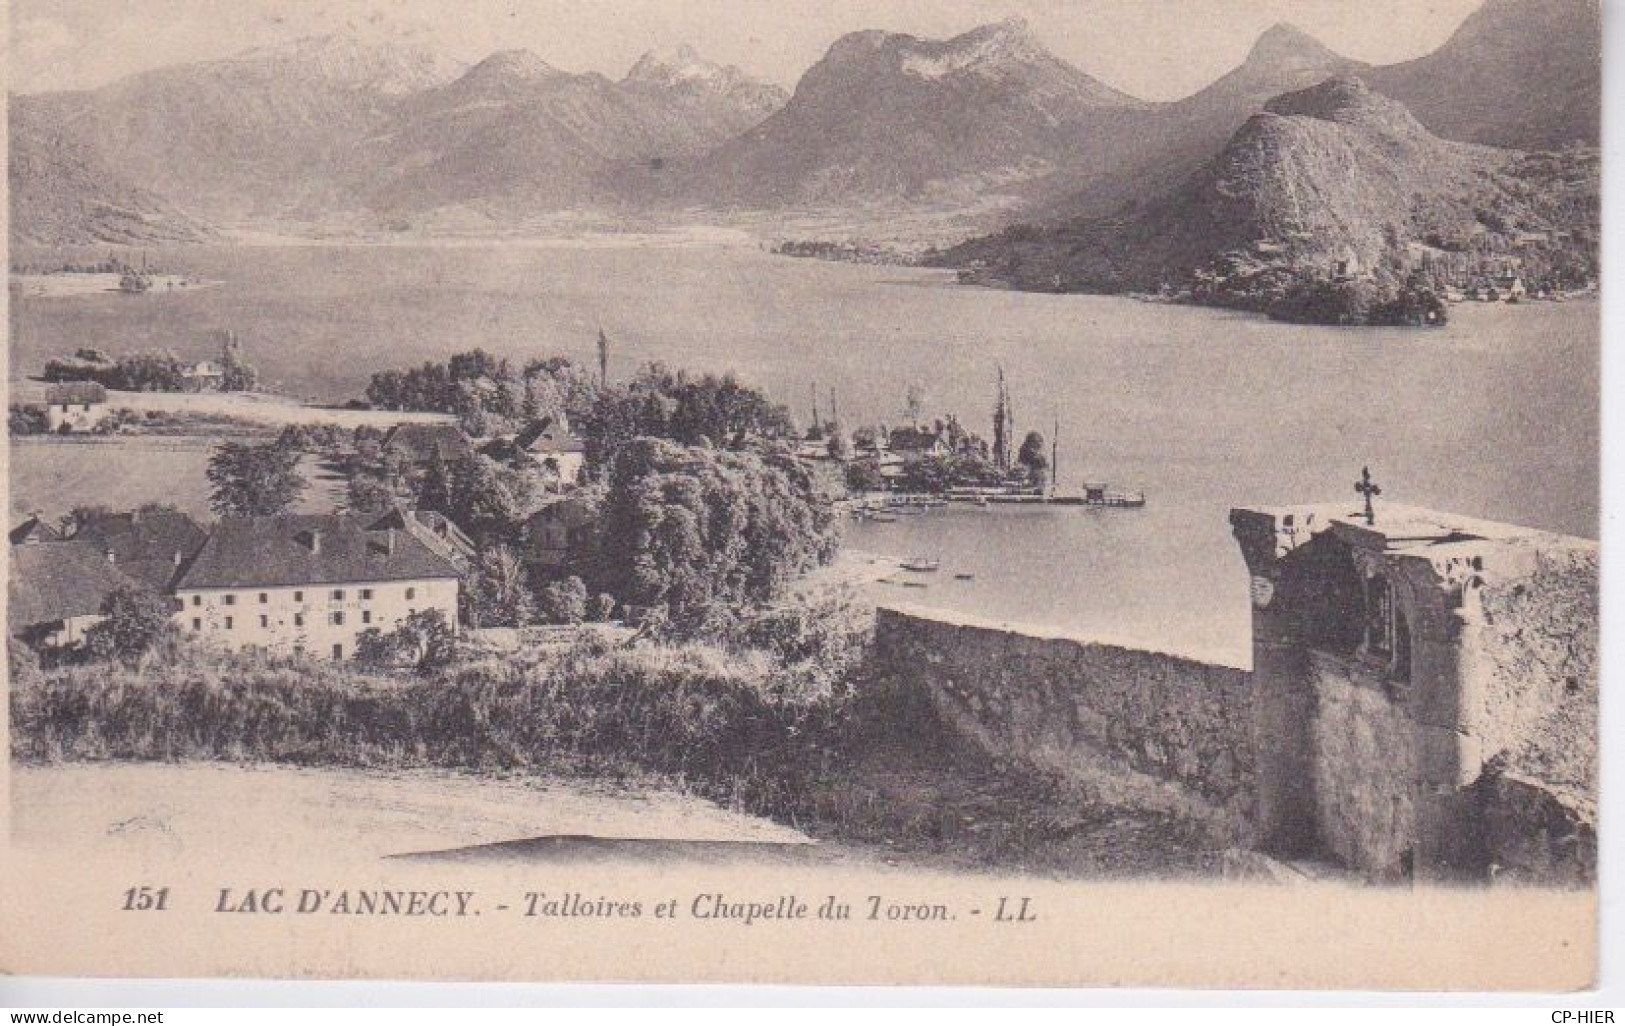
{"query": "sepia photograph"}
(978, 492)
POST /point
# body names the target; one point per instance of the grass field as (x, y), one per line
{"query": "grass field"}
(53, 475)
(269, 411)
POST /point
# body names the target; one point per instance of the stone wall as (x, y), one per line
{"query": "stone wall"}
(1365, 763)
(1443, 673)
(1536, 835)
(1422, 705)
(1538, 656)
(1127, 725)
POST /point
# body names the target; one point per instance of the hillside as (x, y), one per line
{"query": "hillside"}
(1524, 74)
(62, 195)
(1146, 153)
(885, 115)
(243, 136)
(515, 135)
(1332, 184)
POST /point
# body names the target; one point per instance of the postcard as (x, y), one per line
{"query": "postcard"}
(1025, 492)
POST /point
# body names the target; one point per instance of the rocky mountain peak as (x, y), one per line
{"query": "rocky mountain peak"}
(390, 68)
(512, 66)
(1001, 44)
(670, 63)
(682, 70)
(1286, 48)
(1347, 100)
(1011, 33)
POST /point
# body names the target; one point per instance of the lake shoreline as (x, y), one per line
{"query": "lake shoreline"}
(1201, 409)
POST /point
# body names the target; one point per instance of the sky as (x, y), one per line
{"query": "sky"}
(1154, 49)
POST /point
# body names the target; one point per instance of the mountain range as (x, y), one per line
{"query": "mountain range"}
(329, 127)
(1333, 181)
(886, 115)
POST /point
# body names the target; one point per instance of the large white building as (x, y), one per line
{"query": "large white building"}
(75, 406)
(312, 584)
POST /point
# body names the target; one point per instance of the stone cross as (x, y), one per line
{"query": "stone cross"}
(1370, 489)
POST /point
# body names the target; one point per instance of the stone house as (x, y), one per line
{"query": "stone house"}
(75, 406)
(419, 445)
(435, 530)
(550, 444)
(34, 531)
(559, 532)
(203, 376)
(311, 584)
(56, 591)
(914, 444)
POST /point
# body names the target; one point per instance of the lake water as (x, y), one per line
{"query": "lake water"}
(1492, 416)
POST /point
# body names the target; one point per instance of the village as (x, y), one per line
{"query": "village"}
(458, 499)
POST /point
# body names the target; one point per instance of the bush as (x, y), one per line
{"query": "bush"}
(564, 601)
(706, 532)
(27, 420)
(753, 721)
(136, 620)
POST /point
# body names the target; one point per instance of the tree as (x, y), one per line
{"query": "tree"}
(840, 443)
(498, 595)
(1034, 459)
(426, 639)
(367, 492)
(709, 410)
(565, 601)
(375, 648)
(27, 420)
(137, 618)
(865, 476)
(236, 373)
(914, 404)
(433, 488)
(147, 372)
(483, 500)
(254, 480)
(706, 532)
(1003, 427)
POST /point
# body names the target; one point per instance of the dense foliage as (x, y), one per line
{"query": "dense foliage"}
(488, 395)
(491, 397)
(747, 719)
(699, 532)
(137, 619)
(254, 480)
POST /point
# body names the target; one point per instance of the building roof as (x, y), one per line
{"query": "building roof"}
(75, 393)
(547, 436)
(569, 510)
(152, 545)
(423, 443)
(432, 528)
(55, 580)
(915, 439)
(34, 530)
(246, 552)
